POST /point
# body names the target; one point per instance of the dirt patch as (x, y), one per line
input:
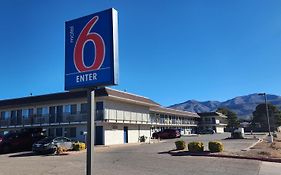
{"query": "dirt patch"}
(263, 149)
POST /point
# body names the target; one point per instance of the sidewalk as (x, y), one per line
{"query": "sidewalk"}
(269, 168)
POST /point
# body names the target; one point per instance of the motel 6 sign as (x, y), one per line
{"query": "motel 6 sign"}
(91, 51)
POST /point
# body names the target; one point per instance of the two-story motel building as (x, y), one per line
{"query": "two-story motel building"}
(121, 117)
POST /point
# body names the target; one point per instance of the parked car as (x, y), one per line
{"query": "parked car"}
(167, 134)
(49, 145)
(20, 140)
(207, 131)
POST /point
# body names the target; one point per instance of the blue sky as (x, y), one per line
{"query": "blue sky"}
(170, 51)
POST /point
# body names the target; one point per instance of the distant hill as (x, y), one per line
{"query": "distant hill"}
(242, 105)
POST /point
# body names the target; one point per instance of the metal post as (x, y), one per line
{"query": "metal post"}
(90, 131)
(267, 114)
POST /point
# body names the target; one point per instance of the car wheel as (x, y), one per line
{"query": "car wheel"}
(55, 150)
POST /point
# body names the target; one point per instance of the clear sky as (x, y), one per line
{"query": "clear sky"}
(170, 51)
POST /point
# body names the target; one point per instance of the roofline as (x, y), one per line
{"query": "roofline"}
(179, 112)
(215, 113)
(132, 101)
(127, 93)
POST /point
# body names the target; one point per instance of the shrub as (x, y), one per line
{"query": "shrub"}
(215, 147)
(79, 146)
(142, 138)
(180, 145)
(196, 147)
(60, 150)
(236, 135)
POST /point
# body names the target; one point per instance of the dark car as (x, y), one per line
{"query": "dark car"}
(207, 131)
(167, 134)
(20, 140)
(49, 145)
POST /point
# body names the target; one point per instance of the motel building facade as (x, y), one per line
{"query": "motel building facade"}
(212, 120)
(121, 117)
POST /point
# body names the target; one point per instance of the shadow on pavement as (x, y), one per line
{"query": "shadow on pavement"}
(30, 154)
(24, 154)
(175, 152)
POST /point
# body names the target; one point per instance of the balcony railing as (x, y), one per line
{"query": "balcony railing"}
(155, 120)
(48, 119)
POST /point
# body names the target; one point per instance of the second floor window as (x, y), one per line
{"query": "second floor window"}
(84, 108)
(25, 113)
(45, 111)
(39, 112)
(66, 109)
(99, 106)
(73, 109)
(4, 115)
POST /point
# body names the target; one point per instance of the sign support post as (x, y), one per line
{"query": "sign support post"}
(90, 131)
(91, 61)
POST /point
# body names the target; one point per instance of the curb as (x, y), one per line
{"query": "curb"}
(276, 160)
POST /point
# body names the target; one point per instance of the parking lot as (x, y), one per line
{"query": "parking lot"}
(150, 159)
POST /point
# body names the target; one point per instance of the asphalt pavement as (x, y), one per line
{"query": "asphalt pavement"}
(143, 159)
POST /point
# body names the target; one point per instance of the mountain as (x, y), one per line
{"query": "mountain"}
(242, 105)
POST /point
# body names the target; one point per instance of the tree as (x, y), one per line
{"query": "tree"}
(232, 119)
(260, 118)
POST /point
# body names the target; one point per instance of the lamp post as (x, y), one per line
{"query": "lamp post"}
(267, 115)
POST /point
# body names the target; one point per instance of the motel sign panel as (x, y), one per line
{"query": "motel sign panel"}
(91, 51)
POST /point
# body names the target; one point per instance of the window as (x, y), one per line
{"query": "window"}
(66, 109)
(99, 111)
(45, 111)
(13, 117)
(51, 132)
(70, 132)
(30, 112)
(73, 109)
(59, 132)
(99, 106)
(162, 118)
(25, 113)
(39, 112)
(19, 113)
(4, 115)
(84, 108)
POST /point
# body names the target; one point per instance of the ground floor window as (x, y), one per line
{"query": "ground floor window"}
(70, 132)
(59, 132)
(51, 132)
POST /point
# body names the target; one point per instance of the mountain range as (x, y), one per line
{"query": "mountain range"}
(243, 106)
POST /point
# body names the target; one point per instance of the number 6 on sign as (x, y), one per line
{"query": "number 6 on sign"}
(84, 37)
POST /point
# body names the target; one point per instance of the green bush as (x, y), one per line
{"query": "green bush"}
(180, 145)
(215, 147)
(79, 146)
(196, 147)
(236, 135)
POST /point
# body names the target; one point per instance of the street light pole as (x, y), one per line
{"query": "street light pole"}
(265, 99)
(267, 114)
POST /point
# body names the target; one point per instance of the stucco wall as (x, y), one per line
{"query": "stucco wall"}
(114, 133)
